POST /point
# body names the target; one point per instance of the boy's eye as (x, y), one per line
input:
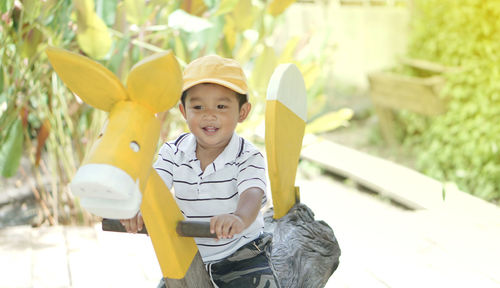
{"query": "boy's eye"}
(220, 106)
(197, 107)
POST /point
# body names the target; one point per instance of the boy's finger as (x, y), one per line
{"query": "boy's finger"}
(140, 223)
(133, 226)
(212, 225)
(225, 229)
(218, 228)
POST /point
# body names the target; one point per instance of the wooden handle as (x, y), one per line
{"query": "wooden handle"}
(113, 225)
(194, 229)
(184, 228)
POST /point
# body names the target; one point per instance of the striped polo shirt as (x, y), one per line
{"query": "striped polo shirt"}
(201, 195)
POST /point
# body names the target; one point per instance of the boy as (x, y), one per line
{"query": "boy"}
(218, 176)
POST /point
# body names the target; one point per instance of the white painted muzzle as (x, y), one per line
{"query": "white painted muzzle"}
(106, 191)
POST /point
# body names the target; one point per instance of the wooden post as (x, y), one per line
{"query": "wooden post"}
(286, 114)
(386, 123)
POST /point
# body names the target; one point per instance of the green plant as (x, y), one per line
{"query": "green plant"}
(461, 145)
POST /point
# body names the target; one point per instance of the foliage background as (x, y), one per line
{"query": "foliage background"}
(462, 145)
(41, 120)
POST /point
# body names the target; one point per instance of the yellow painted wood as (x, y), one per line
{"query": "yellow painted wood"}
(130, 136)
(284, 133)
(155, 82)
(161, 214)
(91, 81)
(128, 122)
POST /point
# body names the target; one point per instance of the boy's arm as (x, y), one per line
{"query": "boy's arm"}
(226, 225)
(249, 205)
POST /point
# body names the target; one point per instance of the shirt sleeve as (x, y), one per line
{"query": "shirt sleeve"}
(164, 164)
(252, 173)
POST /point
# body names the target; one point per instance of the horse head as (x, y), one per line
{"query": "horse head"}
(113, 175)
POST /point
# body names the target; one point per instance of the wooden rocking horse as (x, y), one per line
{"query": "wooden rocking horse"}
(116, 178)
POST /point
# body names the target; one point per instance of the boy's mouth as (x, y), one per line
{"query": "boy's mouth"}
(210, 129)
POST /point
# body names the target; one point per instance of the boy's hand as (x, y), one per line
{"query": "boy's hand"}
(226, 225)
(133, 225)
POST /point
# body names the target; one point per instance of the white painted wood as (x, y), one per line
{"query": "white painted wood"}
(287, 86)
(107, 191)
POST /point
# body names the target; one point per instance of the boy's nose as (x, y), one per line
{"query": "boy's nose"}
(209, 113)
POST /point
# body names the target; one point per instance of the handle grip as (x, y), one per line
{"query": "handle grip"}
(184, 228)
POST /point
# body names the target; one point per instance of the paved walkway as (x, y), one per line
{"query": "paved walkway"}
(385, 246)
(382, 246)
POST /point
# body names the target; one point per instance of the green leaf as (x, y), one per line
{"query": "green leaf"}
(31, 10)
(11, 150)
(119, 52)
(6, 5)
(136, 11)
(108, 10)
(1, 82)
(226, 6)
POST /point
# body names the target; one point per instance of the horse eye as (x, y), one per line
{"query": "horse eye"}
(135, 146)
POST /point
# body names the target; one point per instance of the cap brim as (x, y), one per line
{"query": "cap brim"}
(215, 81)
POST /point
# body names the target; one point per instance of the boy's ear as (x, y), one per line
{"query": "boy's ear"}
(244, 111)
(91, 81)
(183, 111)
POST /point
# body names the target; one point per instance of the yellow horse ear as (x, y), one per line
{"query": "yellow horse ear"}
(156, 82)
(91, 81)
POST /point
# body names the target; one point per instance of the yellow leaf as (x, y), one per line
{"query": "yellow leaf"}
(179, 49)
(330, 121)
(31, 40)
(263, 69)
(84, 10)
(287, 54)
(95, 40)
(242, 54)
(194, 7)
(245, 13)
(278, 6)
(311, 72)
(230, 32)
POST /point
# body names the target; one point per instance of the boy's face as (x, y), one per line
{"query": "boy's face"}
(212, 113)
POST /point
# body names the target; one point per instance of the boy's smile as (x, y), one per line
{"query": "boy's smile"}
(212, 112)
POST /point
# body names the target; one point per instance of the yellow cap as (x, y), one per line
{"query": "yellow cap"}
(217, 70)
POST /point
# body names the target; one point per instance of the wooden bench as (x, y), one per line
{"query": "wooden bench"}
(391, 92)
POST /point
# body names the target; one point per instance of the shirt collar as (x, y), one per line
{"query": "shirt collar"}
(188, 145)
(230, 152)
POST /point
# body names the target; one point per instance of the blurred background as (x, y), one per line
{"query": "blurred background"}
(415, 82)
